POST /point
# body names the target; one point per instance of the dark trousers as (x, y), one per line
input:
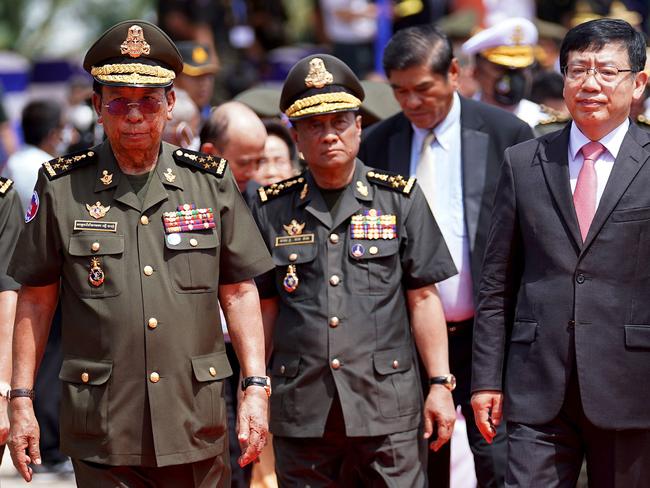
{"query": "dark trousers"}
(336, 460)
(208, 473)
(47, 396)
(489, 459)
(241, 477)
(550, 455)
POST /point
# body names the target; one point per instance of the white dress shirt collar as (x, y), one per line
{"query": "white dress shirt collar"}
(444, 130)
(611, 141)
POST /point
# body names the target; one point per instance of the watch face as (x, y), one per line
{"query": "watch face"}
(451, 382)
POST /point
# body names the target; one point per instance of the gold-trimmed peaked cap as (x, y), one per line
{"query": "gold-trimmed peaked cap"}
(134, 53)
(320, 84)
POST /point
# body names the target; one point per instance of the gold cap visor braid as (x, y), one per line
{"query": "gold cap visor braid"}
(133, 74)
(511, 56)
(322, 103)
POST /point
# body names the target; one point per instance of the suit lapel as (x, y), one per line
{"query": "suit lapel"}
(555, 165)
(631, 158)
(399, 148)
(474, 152)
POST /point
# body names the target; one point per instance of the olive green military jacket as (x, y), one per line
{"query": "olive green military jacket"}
(143, 350)
(345, 327)
(11, 223)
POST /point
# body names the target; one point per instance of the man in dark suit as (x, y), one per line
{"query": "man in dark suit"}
(562, 323)
(470, 138)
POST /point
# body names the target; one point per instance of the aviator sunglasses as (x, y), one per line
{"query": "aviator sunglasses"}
(122, 106)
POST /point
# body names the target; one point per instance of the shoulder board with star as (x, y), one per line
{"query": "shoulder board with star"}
(64, 164)
(205, 162)
(269, 192)
(393, 181)
(5, 184)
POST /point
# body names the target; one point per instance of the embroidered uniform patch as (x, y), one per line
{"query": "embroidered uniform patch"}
(33, 208)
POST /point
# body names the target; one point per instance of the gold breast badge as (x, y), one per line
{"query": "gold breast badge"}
(107, 178)
(96, 275)
(97, 211)
(294, 228)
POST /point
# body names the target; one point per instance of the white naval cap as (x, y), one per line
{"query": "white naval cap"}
(509, 43)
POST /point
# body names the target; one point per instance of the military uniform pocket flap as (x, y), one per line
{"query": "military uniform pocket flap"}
(91, 245)
(285, 255)
(285, 366)
(85, 371)
(211, 367)
(372, 249)
(187, 241)
(524, 332)
(637, 336)
(392, 361)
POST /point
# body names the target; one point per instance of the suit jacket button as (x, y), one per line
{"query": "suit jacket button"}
(334, 322)
(152, 323)
(147, 270)
(336, 364)
(154, 377)
(334, 280)
(580, 279)
(144, 220)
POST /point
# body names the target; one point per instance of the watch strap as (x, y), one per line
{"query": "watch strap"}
(21, 392)
(262, 381)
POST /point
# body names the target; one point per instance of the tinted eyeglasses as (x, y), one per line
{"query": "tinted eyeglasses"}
(122, 106)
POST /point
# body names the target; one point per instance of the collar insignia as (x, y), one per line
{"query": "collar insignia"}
(362, 189)
(107, 178)
(169, 176)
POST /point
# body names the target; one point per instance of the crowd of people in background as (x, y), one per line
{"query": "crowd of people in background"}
(237, 53)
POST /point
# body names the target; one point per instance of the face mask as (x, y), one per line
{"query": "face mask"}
(510, 88)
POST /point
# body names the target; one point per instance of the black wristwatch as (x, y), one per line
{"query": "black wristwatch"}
(21, 392)
(448, 381)
(263, 381)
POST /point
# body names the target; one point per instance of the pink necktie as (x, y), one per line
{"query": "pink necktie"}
(584, 196)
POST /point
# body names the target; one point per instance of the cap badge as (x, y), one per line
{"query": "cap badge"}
(107, 178)
(97, 211)
(134, 45)
(318, 75)
(199, 55)
(518, 35)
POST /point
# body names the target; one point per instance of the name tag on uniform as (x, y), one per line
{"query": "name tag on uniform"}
(98, 226)
(293, 240)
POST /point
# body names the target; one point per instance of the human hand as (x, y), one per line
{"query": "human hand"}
(24, 436)
(252, 424)
(439, 412)
(488, 410)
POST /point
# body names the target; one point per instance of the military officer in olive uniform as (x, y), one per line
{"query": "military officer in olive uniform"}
(10, 226)
(143, 238)
(357, 253)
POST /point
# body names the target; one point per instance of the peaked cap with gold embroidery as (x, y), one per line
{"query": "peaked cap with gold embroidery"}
(134, 53)
(62, 165)
(205, 162)
(320, 84)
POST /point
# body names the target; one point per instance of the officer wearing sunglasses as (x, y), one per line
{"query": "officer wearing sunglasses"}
(140, 240)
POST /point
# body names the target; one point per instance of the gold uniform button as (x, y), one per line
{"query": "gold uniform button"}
(334, 280)
(336, 364)
(144, 220)
(95, 247)
(334, 238)
(334, 322)
(147, 270)
(154, 377)
(194, 242)
(213, 372)
(283, 369)
(293, 256)
(373, 250)
(395, 364)
(153, 323)
(85, 377)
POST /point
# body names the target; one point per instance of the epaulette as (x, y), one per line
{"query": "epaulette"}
(64, 164)
(205, 162)
(5, 184)
(392, 180)
(269, 192)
